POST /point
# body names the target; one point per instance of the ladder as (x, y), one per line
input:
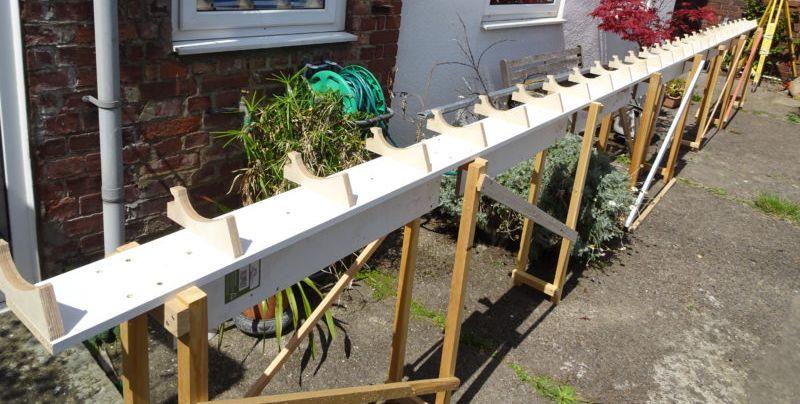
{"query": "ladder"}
(769, 21)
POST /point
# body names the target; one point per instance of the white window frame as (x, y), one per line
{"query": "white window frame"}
(214, 31)
(505, 12)
(502, 16)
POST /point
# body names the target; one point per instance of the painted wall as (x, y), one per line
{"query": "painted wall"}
(428, 45)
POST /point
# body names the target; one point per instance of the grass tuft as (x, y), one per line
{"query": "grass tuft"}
(419, 310)
(381, 282)
(774, 205)
(546, 387)
(793, 117)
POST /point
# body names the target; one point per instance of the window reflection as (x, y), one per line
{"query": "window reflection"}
(233, 5)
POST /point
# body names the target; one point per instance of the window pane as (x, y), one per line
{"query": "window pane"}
(504, 2)
(233, 5)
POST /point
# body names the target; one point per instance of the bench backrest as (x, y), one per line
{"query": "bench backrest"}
(535, 68)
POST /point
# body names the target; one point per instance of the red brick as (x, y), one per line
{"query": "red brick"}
(76, 56)
(84, 142)
(71, 11)
(84, 34)
(172, 69)
(227, 99)
(66, 167)
(84, 225)
(167, 89)
(383, 37)
(171, 127)
(62, 124)
(47, 80)
(91, 242)
(61, 209)
(133, 153)
(52, 148)
(92, 162)
(225, 82)
(199, 103)
(38, 58)
(195, 140)
(167, 147)
(90, 204)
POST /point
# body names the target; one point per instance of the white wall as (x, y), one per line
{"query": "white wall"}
(429, 35)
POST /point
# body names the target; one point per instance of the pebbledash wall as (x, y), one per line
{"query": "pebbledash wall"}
(427, 71)
(172, 105)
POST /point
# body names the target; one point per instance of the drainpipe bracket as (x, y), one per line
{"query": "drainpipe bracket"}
(112, 195)
(101, 103)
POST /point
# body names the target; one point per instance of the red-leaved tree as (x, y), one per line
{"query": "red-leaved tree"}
(634, 20)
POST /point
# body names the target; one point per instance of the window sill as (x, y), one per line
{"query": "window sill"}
(194, 47)
(535, 22)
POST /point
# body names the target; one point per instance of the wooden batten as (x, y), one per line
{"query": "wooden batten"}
(336, 188)
(491, 188)
(220, 232)
(34, 305)
(571, 97)
(474, 133)
(517, 116)
(415, 155)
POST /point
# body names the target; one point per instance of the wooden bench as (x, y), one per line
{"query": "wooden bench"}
(530, 69)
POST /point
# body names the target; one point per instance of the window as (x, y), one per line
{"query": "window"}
(499, 14)
(218, 25)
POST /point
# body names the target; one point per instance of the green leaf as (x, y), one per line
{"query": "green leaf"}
(279, 318)
(292, 305)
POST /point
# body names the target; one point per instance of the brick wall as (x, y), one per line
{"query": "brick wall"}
(728, 8)
(171, 105)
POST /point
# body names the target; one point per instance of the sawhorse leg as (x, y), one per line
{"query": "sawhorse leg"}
(640, 140)
(527, 224)
(575, 200)
(193, 347)
(708, 94)
(458, 287)
(405, 284)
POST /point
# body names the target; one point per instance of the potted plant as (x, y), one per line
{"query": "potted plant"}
(674, 92)
(296, 119)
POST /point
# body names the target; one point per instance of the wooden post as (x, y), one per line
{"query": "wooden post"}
(605, 132)
(708, 94)
(640, 139)
(193, 348)
(466, 236)
(135, 358)
(135, 362)
(669, 170)
(527, 224)
(575, 200)
(405, 284)
(733, 70)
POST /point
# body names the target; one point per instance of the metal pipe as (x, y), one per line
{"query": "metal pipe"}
(505, 92)
(106, 33)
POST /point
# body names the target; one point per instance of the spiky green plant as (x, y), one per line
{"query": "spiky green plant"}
(296, 119)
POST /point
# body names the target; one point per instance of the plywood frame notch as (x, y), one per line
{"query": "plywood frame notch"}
(415, 155)
(474, 133)
(34, 305)
(221, 232)
(336, 188)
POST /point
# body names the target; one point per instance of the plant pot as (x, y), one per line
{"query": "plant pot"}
(672, 102)
(261, 323)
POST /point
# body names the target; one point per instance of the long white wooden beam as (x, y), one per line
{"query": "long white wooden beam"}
(292, 235)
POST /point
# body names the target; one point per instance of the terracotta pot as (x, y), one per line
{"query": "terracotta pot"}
(672, 102)
(257, 313)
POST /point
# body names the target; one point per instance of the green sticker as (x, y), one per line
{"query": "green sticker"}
(242, 281)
